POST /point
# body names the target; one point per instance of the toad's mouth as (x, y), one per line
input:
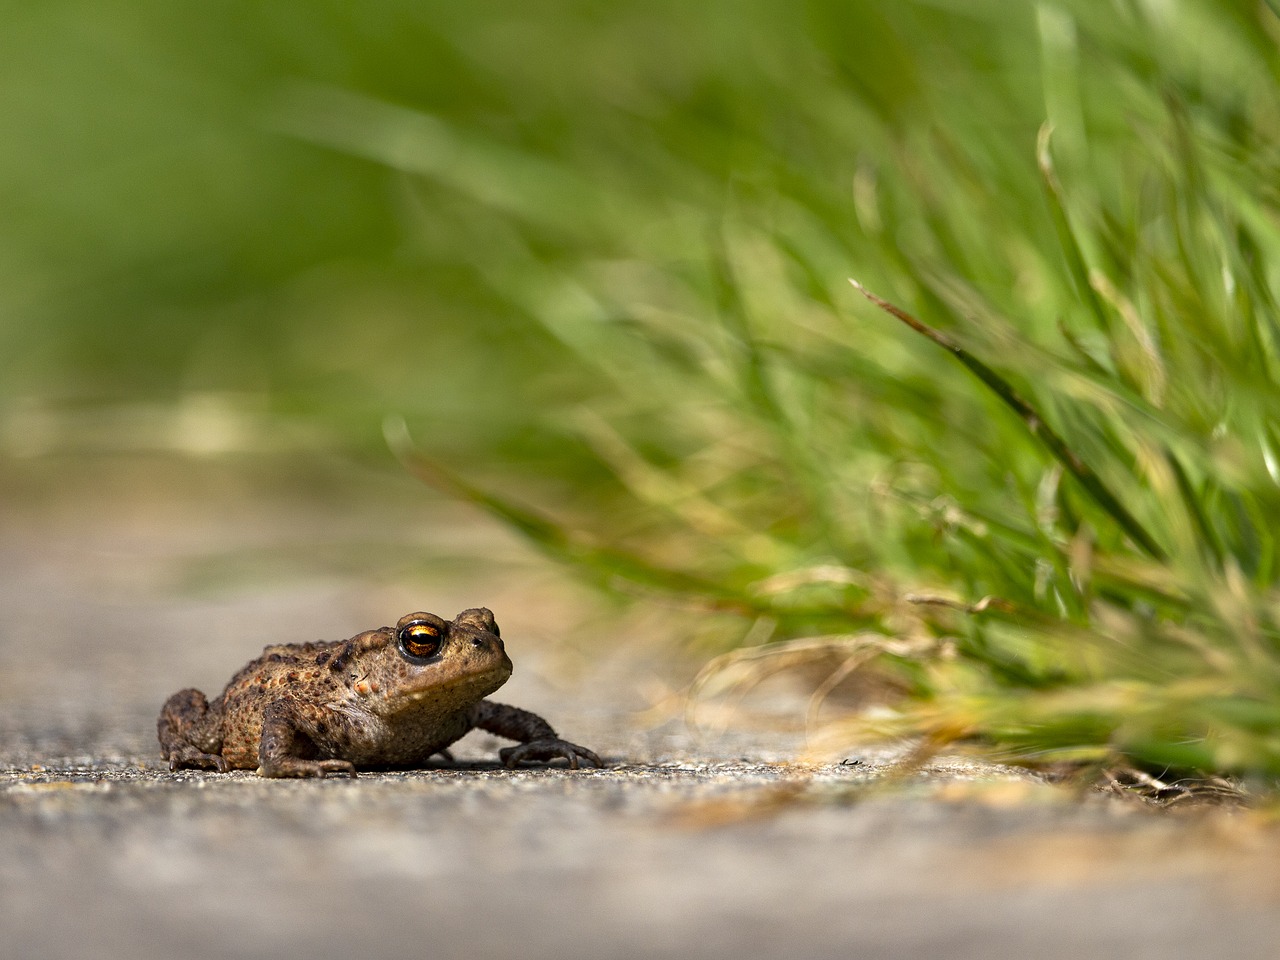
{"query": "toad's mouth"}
(463, 688)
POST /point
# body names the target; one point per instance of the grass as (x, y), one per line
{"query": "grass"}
(1072, 508)
(598, 265)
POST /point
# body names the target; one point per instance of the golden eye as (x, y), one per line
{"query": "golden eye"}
(419, 640)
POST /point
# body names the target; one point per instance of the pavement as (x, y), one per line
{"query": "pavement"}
(124, 580)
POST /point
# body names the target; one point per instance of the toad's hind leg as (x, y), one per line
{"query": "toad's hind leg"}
(189, 733)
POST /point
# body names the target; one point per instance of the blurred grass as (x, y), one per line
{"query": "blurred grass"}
(600, 252)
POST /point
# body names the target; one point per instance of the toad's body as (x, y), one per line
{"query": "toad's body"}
(391, 697)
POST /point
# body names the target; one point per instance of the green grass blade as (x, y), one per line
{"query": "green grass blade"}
(1034, 422)
(1077, 268)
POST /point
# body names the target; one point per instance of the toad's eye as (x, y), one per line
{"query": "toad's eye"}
(419, 640)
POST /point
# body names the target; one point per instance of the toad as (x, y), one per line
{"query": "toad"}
(385, 699)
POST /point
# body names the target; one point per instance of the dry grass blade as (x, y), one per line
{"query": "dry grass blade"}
(560, 542)
(736, 673)
(1198, 791)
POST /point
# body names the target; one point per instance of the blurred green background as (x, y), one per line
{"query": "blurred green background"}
(345, 211)
(593, 258)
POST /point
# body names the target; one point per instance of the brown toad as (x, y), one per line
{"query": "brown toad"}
(386, 698)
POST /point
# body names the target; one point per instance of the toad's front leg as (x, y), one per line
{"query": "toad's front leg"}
(538, 740)
(286, 750)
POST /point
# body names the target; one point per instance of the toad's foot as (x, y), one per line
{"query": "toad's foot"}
(549, 748)
(186, 757)
(294, 767)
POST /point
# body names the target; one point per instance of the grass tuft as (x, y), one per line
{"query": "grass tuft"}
(1063, 547)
